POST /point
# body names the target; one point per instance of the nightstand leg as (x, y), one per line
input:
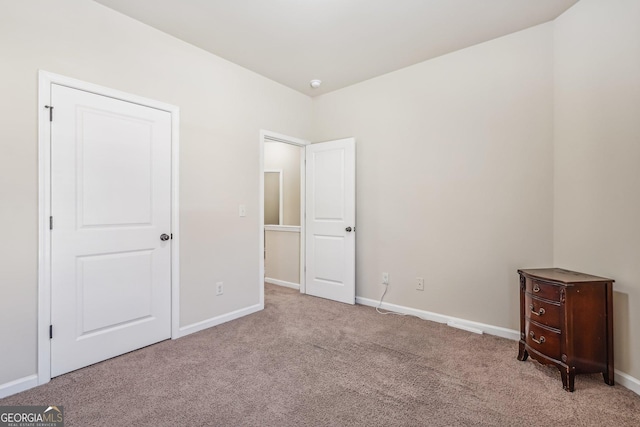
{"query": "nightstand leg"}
(522, 353)
(572, 378)
(568, 379)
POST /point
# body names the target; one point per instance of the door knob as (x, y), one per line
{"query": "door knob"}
(348, 229)
(164, 237)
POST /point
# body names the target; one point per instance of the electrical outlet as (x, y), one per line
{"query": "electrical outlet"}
(385, 278)
(219, 288)
(242, 210)
(420, 283)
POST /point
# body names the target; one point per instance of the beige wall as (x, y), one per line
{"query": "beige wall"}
(272, 197)
(222, 106)
(455, 175)
(597, 156)
(286, 157)
(282, 261)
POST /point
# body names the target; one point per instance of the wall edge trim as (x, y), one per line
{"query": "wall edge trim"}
(282, 228)
(627, 381)
(218, 320)
(441, 318)
(19, 385)
(282, 283)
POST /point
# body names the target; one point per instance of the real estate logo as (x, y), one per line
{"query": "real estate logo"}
(31, 416)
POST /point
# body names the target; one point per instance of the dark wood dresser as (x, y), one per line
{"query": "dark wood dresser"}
(566, 320)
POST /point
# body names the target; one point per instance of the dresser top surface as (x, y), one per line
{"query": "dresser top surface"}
(562, 275)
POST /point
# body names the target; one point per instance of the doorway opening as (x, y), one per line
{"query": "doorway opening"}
(282, 207)
(327, 213)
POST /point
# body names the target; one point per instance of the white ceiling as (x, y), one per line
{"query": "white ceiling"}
(340, 42)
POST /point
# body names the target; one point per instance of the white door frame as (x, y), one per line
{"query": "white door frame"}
(268, 136)
(45, 80)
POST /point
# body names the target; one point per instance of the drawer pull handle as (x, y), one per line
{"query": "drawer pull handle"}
(537, 313)
(536, 288)
(533, 338)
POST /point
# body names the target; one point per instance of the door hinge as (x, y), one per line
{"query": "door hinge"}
(50, 331)
(171, 236)
(50, 223)
(50, 107)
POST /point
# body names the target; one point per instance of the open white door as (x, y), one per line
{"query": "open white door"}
(111, 227)
(330, 220)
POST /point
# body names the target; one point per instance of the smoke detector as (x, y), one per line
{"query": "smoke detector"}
(315, 83)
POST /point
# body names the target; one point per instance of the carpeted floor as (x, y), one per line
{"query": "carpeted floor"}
(305, 361)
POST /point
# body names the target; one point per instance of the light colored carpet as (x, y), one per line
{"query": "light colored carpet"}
(305, 361)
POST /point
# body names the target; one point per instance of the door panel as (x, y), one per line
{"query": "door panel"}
(330, 197)
(101, 154)
(110, 202)
(329, 249)
(122, 280)
(328, 185)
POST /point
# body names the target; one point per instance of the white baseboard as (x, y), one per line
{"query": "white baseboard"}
(626, 380)
(214, 321)
(282, 283)
(441, 318)
(16, 386)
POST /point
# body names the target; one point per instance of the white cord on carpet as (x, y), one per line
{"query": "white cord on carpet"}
(386, 286)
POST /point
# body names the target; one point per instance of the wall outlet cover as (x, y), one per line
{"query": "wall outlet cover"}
(385, 278)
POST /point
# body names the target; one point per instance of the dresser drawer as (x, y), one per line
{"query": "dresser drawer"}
(542, 312)
(543, 290)
(543, 340)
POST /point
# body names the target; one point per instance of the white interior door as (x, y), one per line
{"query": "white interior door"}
(330, 220)
(110, 204)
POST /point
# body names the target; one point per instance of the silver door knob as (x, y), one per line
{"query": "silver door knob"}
(164, 237)
(348, 229)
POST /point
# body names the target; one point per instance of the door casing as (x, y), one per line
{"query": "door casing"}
(46, 79)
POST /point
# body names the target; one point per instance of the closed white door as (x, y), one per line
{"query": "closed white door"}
(110, 205)
(330, 220)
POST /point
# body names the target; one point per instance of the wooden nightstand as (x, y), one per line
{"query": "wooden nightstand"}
(566, 320)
